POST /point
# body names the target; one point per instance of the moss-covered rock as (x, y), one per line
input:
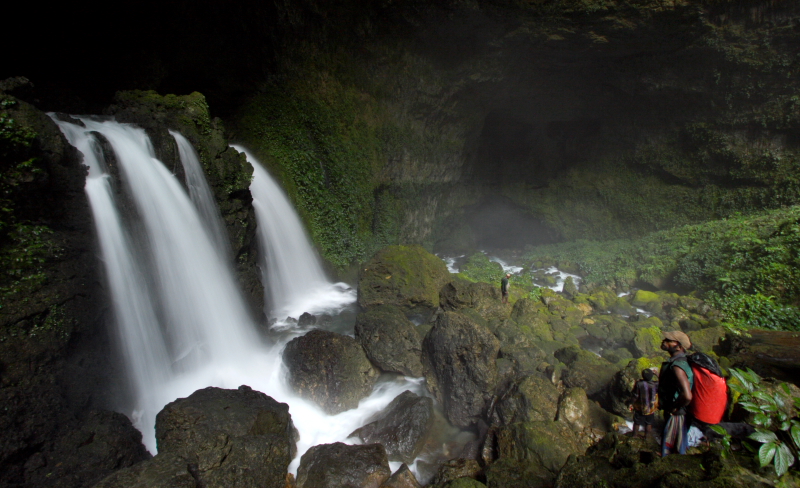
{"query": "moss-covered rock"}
(481, 297)
(647, 341)
(390, 340)
(532, 398)
(406, 276)
(585, 369)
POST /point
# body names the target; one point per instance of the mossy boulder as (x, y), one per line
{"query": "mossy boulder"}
(647, 342)
(481, 297)
(707, 340)
(585, 369)
(536, 450)
(406, 276)
(340, 465)
(647, 300)
(532, 398)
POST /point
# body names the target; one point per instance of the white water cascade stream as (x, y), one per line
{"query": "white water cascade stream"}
(181, 322)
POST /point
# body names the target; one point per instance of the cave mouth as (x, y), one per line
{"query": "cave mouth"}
(499, 224)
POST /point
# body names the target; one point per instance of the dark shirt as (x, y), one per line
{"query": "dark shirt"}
(668, 386)
(504, 285)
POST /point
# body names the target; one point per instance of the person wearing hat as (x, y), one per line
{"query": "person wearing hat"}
(675, 392)
(504, 287)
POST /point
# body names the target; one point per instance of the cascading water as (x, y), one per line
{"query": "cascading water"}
(181, 321)
(201, 194)
(294, 281)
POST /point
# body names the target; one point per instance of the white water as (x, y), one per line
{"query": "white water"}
(201, 194)
(294, 281)
(181, 322)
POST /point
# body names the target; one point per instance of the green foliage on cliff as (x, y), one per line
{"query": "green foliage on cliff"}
(324, 146)
(748, 266)
(24, 247)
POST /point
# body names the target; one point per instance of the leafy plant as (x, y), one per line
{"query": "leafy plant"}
(774, 417)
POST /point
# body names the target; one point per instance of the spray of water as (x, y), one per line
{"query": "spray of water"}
(181, 322)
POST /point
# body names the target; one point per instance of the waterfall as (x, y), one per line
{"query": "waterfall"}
(181, 322)
(201, 194)
(294, 281)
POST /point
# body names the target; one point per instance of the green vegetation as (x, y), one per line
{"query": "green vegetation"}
(24, 246)
(479, 268)
(745, 266)
(324, 145)
(774, 414)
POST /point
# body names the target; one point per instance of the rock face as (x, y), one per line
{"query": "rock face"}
(406, 276)
(329, 369)
(56, 357)
(460, 357)
(402, 427)
(217, 438)
(102, 443)
(390, 340)
(343, 466)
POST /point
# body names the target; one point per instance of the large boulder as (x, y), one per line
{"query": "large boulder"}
(585, 369)
(390, 340)
(532, 398)
(217, 438)
(406, 276)
(531, 454)
(482, 297)
(402, 427)
(340, 465)
(460, 361)
(329, 369)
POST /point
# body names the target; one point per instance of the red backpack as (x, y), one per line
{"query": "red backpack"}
(709, 389)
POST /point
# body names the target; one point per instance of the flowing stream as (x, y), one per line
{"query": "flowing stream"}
(181, 322)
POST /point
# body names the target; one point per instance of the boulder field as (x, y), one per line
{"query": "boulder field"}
(539, 387)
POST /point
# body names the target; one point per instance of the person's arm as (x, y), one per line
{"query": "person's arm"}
(684, 389)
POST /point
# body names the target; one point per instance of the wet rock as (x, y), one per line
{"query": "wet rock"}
(306, 320)
(402, 478)
(402, 427)
(531, 454)
(482, 297)
(102, 443)
(390, 340)
(217, 438)
(343, 466)
(533, 398)
(585, 369)
(455, 469)
(459, 358)
(405, 276)
(329, 369)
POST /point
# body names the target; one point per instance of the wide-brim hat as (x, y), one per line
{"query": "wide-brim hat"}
(676, 335)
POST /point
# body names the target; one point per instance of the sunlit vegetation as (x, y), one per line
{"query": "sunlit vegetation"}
(747, 265)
